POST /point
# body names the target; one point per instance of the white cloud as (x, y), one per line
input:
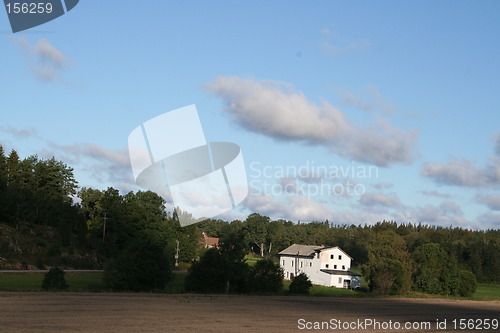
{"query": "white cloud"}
(489, 221)
(101, 164)
(45, 61)
(381, 186)
(379, 199)
(446, 214)
(492, 201)
(20, 133)
(288, 185)
(295, 208)
(359, 217)
(277, 110)
(462, 172)
(437, 194)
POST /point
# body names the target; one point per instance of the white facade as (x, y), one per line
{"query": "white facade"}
(326, 266)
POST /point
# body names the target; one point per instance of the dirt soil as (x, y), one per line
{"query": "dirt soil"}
(87, 312)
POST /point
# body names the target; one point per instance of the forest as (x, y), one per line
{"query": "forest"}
(46, 219)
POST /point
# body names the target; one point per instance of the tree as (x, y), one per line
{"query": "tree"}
(3, 169)
(208, 274)
(13, 170)
(467, 284)
(266, 276)
(3, 184)
(389, 267)
(256, 230)
(141, 267)
(221, 270)
(300, 285)
(54, 280)
(436, 272)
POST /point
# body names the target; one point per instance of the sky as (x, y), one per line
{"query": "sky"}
(351, 112)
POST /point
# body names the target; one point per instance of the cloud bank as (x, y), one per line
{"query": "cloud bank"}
(279, 111)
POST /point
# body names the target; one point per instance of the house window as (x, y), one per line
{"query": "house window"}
(343, 267)
(334, 266)
(340, 280)
(291, 262)
(331, 256)
(340, 257)
(301, 264)
(283, 262)
(326, 265)
(310, 264)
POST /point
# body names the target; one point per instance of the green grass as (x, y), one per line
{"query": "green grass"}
(252, 259)
(21, 282)
(335, 292)
(92, 282)
(78, 282)
(33, 281)
(85, 281)
(487, 292)
(328, 291)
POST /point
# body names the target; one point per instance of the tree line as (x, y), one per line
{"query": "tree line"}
(91, 228)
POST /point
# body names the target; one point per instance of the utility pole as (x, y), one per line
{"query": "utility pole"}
(177, 254)
(104, 227)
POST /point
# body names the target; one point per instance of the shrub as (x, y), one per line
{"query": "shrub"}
(300, 285)
(467, 283)
(142, 266)
(54, 280)
(218, 271)
(266, 276)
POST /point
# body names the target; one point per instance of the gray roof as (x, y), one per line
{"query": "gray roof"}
(338, 272)
(307, 250)
(302, 250)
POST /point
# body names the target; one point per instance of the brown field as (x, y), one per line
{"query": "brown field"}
(87, 312)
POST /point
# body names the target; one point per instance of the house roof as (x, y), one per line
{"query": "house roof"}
(212, 241)
(338, 272)
(302, 250)
(307, 250)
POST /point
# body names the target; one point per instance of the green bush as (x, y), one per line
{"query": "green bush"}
(54, 280)
(467, 283)
(300, 285)
(216, 272)
(142, 266)
(266, 276)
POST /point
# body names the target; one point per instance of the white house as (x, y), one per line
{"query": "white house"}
(326, 266)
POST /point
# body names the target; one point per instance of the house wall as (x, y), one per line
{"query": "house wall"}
(295, 265)
(335, 258)
(338, 281)
(332, 258)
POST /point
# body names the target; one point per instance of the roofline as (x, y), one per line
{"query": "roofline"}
(295, 255)
(318, 249)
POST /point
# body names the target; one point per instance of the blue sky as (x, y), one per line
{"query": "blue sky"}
(406, 89)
